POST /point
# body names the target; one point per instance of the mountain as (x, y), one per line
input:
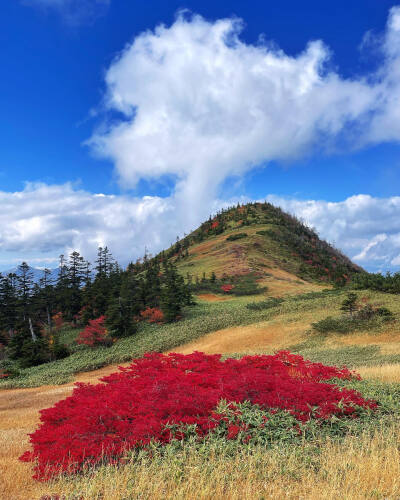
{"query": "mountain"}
(263, 240)
(36, 272)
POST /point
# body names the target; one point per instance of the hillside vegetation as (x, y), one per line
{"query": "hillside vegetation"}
(187, 471)
(252, 281)
(262, 239)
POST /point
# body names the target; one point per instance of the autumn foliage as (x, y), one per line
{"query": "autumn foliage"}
(227, 288)
(143, 403)
(94, 334)
(152, 315)
(58, 320)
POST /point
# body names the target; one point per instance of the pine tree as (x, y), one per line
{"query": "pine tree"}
(120, 315)
(8, 304)
(175, 294)
(25, 285)
(44, 297)
(350, 303)
(75, 280)
(62, 292)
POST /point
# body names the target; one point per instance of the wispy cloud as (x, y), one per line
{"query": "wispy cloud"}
(73, 12)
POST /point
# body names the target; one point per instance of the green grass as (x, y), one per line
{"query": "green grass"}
(199, 320)
(207, 317)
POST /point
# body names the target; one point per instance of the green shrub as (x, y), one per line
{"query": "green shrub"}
(9, 368)
(339, 325)
(237, 236)
(265, 304)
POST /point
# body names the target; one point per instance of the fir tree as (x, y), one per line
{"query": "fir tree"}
(350, 304)
(175, 294)
(8, 304)
(120, 315)
(75, 280)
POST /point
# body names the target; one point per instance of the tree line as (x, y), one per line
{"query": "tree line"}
(31, 312)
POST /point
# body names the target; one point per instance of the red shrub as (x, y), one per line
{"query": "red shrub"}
(214, 225)
(133, 406)
(152, 315)
(226, 288)
(94, 334)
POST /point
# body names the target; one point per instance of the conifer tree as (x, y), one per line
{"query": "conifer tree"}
(350, 303)
(175, 294)
(120, 315)
(75, 280)
(8, 304)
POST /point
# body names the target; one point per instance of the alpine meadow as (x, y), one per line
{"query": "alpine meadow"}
(200, 251)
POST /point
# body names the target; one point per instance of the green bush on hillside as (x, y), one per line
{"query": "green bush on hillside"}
(265, 304)
(357, 317)
(237, 236)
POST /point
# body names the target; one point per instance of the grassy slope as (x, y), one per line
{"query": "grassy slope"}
(275, 266)
(275, 245)
(365, 464)
(293, 318)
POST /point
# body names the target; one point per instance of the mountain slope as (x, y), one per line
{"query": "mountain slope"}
(263, 240)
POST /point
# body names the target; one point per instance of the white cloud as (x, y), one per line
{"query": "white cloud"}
(365, 228)
(42, 221)
(201, 105)
(74, 12)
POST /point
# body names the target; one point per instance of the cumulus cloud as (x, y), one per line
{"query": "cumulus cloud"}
(43, 221)
(74, 12)
(201, 105)
(365, 228)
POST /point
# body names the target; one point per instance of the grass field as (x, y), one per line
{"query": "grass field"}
(286, 326)
(363, 464)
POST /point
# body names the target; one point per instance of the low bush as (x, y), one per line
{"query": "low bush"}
(9, 368)
(359, 318)
(95, 334)
(160, 398)
(152, 315)
(265, 304)
(339, 325)
(237, 236)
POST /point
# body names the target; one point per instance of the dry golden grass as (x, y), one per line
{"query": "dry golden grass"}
(385, 373)
(357, 468)
(19, 415)
(211, 297)
(265, 336)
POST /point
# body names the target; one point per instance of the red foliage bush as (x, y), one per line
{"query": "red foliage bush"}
(226, 288)
(133, 406)
(152, 315)
(214, 225)
(94, 334)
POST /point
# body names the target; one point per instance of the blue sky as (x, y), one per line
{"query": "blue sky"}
(90, 105)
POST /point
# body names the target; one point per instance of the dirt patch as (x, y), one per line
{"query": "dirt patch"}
(252, 338)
